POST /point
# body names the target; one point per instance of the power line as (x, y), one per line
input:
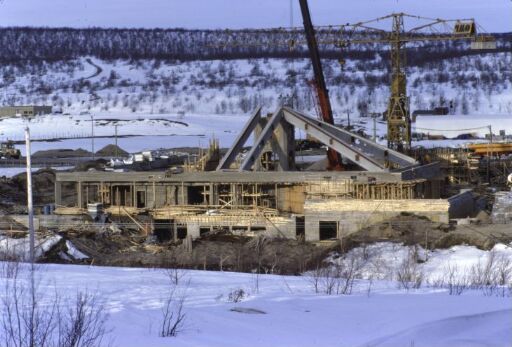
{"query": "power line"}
(467, 129)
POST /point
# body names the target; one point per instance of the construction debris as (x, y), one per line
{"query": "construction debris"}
(502, 208)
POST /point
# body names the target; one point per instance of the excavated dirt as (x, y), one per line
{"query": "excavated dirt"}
(112, 150)
(411, 229)
(111, 246)
(214, 252)
(13, 197)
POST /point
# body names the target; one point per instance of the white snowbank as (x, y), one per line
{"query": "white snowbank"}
(20, 247)
(384, 258)
(75, 253)
(294, 315)
(491, 329)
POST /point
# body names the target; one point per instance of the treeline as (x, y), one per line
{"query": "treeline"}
(27, 44)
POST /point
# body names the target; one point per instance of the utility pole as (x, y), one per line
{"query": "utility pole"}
(30, 206)
(92, 137)
(117, 153)
(374, 116)
(489, 153)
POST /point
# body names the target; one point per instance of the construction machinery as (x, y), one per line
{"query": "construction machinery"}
(8, 151)
(341, 36)
(321, 91)
(430, 29)
(486, 149)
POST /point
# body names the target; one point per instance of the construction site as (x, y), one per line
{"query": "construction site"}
(258, 187)
(255, 173)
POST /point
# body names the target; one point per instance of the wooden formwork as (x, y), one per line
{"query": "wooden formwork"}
(364, 190)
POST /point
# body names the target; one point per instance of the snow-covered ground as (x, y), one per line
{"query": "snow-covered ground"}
(375, 314)
(139, 131)
(453, 125)
(151, 131)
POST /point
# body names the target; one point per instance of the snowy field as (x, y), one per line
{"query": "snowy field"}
(152, 131)
(287, 312)
(138, 132)
(453, 125)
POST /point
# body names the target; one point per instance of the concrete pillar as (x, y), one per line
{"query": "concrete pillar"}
(283, 144)
(183, 195)
(79, 194)
(193, 230)
(312, 229)
(58, 193)
(212, 201)
(134, 194)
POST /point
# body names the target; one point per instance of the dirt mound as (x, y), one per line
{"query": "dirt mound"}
(97, 164)
(112, 151)
(411, 229)
(406, 228)
(15, 188)
(220, 252)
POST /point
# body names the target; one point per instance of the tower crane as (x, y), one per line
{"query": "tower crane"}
(432, 29)
(341, 36)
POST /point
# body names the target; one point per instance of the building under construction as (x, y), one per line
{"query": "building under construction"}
(259, 190)
(262, 190)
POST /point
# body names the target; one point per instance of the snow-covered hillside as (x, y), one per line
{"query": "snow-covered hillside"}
(106, 89)
(286, 311)
(473, 84)
(173, 104)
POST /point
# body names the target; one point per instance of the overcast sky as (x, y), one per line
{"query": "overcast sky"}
(493, 15)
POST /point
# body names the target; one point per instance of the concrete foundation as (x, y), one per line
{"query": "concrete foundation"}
(352, 215)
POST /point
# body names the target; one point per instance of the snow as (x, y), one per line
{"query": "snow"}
(453, 125)
(238, 14)
(490, 327)
(384, 258)
(20, 246)
(293, 314)
(152, 131)
(73, 252)
(220, 105)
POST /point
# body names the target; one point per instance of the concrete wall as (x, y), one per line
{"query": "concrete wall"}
(273, 226)
(352, 215)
